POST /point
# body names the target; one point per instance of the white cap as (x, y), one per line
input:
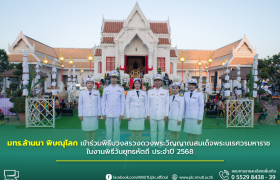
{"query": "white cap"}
(89, 79)
(136, 79)
(114, 73)
(193, 81)
(176, 84)
(157, 76)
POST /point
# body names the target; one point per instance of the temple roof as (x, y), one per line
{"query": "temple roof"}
(116, 27)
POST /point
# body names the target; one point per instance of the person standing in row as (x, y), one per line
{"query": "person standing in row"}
(113, 101)
(158, 108)
(136, 109)
(194, 109)
(176, 111)
(89, 109)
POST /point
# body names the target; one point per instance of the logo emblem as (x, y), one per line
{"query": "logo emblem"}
(174, 176)
(108, 176)
(11, 174)
(224, 174)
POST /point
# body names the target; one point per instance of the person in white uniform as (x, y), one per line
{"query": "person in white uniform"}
(136, 109)
(176, 111)
(113, 102)
(89, 109)
(194, 110)
(158, 108)
(265, 87)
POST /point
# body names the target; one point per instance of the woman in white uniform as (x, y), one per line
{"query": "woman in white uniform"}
(136, 109)
(89, 110)
(194, 109)
(176, 110)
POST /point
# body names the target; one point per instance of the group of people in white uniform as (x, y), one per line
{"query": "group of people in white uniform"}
(156, 106)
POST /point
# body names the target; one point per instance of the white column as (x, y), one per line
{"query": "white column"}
(154, 61)
(150, 62)
(167, 61)
(103, 61)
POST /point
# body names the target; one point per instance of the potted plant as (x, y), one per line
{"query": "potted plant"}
(257, 109)
(19, 107)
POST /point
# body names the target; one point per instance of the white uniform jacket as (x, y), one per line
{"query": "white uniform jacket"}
(176, 107)
(136, 107)
(89, 105)
(158, 103)
(113, 101)
(194, 106)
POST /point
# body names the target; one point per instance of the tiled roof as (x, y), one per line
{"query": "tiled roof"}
(159, 28)
(226, 50)
(163, 41)
(218, 63)
(195, 54)
(116, 27)
(19, 57)
(76, 53)
(42, 48)
(98, 52)
(172, 53)
(112, 27)
(242, 61)
(108, 40)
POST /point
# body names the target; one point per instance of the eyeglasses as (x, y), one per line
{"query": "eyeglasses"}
(137, 82)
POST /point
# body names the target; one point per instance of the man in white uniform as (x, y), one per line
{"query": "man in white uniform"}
(113, 102)
(158, 108)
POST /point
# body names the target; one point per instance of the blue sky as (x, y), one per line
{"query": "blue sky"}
(194, 24)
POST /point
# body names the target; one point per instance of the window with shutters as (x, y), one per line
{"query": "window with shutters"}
(161, 63)
(110, 63)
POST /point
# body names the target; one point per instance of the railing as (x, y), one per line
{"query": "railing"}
(39, 112)
(240, 113)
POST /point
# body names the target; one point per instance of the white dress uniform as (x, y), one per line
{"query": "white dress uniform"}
(266, 89)
(113, 102)
(194, 110)
(158, 107)
(176, 110)
(89, 108)
(136, 109)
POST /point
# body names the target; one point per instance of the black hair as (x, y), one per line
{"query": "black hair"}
(134, 82)
(114, 76)
(56, 98)
(193, 84)
(90, 81)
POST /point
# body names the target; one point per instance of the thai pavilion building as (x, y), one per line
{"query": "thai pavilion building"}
(133, 43)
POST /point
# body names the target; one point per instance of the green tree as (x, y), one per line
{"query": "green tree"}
(4, 61)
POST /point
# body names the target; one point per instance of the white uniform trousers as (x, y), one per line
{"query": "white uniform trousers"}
(110, 122)
(154, 124)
